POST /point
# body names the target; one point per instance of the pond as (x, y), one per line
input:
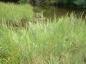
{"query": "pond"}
(51, 12)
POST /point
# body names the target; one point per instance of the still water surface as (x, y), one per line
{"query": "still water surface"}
(51, 12)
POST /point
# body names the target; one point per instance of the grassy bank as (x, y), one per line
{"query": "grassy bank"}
(59, 41)
(15, 12)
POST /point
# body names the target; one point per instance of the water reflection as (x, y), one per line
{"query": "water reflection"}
(52, 12)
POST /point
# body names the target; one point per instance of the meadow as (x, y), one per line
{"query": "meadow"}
(60, 41)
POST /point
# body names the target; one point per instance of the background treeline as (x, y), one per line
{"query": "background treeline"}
(60, 3)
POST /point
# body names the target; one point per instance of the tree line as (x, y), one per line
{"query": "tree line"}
(59, 3)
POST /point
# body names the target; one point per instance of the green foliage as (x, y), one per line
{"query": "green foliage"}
(74, 3)
(81, 3)
(62, 41)
(78, 3)
(23, 1)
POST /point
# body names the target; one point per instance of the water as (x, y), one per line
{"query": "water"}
(52, 12)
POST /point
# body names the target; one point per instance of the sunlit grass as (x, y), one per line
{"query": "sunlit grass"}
(43, 41)
(15, 12)
(62, 41)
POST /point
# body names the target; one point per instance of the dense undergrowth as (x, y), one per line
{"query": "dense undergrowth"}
(62, 41)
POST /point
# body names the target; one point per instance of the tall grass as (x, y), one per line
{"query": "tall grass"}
(58, 41)
(15, 12)
(62, 41)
